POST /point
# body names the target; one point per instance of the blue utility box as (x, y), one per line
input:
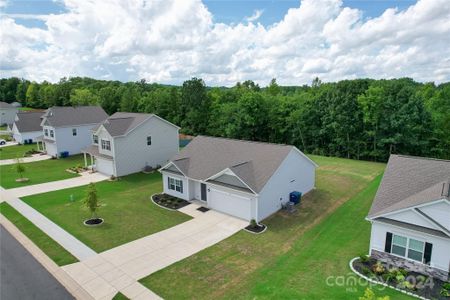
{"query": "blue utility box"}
(295, 197)
(64, 154)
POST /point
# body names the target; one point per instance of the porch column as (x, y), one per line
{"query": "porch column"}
(92, 162)
(85, 160)
(37, 145)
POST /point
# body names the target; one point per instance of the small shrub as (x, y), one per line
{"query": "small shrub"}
(402, 271)
(366, 271)
(446, 286)
(364, 258)
(378, 268)
(253, 223)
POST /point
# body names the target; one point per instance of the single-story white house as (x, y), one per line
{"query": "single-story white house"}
(68, 129)
(248, 180)
(27, 126)
(410, 216)
(7, 113)
(126, 143)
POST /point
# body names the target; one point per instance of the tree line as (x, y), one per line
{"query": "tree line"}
(361, 119)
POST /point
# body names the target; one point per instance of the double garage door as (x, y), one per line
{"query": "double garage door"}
(230, 203)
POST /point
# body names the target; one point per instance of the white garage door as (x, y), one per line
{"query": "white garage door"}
(104, 166)
(229, 203)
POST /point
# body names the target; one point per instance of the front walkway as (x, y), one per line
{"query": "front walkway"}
(62, 237)
(84, 179)
(120, 268)
(33, 158)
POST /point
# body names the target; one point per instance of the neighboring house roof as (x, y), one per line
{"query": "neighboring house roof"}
(253, 162)
(411, 181)
(5, 105)
(121, 123)
(29, 121)
(58, 116)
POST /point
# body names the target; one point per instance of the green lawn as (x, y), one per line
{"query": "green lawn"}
(57, 253)
(15, 151)
(295, 256)
(120, 296)
(40, 171)
(125, 205)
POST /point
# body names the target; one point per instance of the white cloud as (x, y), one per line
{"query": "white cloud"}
(256, 15)
(171, 41)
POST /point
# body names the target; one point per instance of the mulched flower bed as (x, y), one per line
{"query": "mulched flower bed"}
(170, 201)
(93, 222)
(412, 282)
(258, 228)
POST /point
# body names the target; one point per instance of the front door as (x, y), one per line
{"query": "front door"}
(203, 192)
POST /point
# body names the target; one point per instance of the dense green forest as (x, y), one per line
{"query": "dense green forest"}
(361, 118)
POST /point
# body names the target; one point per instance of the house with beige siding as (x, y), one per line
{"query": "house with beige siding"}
(127, 143)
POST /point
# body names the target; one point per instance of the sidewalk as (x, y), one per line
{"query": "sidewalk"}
(62, 237)
(84, 179)
(33, 158)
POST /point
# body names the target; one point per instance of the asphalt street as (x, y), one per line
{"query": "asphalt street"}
(22, 276)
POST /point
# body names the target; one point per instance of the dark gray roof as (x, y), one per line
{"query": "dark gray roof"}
(412, 227)
(121, 123)
(29, 121)
(410, 181)
(5, 105)
(71, 116)
(253, 162)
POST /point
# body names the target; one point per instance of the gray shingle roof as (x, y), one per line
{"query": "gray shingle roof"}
(70, 116)
(410, 181)
(5, 105)
(121, 123)
(253, 162)
(29, 121)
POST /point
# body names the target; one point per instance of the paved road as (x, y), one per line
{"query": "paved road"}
(22, 277)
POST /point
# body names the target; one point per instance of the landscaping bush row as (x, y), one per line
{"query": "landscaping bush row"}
(413, 282)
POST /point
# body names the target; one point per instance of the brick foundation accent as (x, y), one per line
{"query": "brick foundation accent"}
(409, 265)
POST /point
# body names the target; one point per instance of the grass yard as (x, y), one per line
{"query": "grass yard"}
(57, 253)
(16, 151)
(40, 171)
(125, 205)
(26, 108)
(295, 256)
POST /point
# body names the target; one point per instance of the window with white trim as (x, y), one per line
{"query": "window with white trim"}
(175, 184)
(106, 145)
(95, 139)
(149, 140)
(46, 132)
(74, 131)
(52, 134)
(408, 247)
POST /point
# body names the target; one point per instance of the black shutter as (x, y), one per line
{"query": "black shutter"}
(181, 186)
(387, 245)
(427, 254)
(168, 182)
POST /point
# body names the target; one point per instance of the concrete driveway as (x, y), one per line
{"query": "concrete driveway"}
(119, 269)
(9, 144)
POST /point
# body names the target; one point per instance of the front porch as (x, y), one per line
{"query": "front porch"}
(97, 161)
(40, 144)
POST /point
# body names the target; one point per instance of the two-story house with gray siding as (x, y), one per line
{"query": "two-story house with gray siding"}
(68, 129)
(126, 143)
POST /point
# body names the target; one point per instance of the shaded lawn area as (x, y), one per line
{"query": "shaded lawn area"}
(125, 205)
(16, 151)
(56, 252)
(296, 254)
(26, 108)
(40, 171)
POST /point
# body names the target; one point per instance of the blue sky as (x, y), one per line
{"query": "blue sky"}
(226, 41)
(224, 11)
